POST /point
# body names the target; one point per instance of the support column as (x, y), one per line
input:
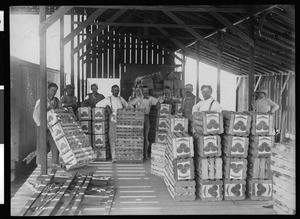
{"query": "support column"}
(78, 66)
(62, 57)
(72, 48)
(220, 47)
(251, 65)
(198, 60)
(42, 91)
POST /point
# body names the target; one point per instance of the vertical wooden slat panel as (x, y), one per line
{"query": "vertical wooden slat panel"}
(197, 67)
(110, 58)
(82, 64)
(139, 52)
(105, 57)
(93, 61)
(62, 56)
(160, 54)
(133, 50)
(251, 65)
(119, 55)
(143, 46)
(127, 50)
(78, 67)
(99, 61)
(155, 54)
(72, 47)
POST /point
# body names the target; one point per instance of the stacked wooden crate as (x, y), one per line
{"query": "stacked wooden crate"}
(284, 177)
(100, 138)
(259, 179)
(207, 126)
(158, 158)
(72, 143)
(161, 125)
(153, 124)
(130, 136)
(85, 120)
(179, 163)
(235, 143)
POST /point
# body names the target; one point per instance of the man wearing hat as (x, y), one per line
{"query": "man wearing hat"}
(263, 103)
(93, 98)
(69, 100)
(189, 101)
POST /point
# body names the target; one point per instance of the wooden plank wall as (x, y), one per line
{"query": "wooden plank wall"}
(114, 49)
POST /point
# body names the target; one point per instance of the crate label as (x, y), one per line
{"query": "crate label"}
(85, 113)
(51, 118)
(183, 146)
(212, 121)
(234, 190)
(98, 128)
(164, 109)
(264, 145)
(56, 131)
(211, 191)
(162, 123)
(236, 169)
(210, 145)
(179, 124)
(184, 170)
(99, 113)
(240, 123)
(263, 189)
(99, 140)
(85, 126)
(162, 137)
(63, 145)
(262, 123)
(238, 145)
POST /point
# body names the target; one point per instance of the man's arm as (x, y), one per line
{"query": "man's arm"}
(133, 102)
(217, 107)
(274, 106)
(124, 102)
(153, 101)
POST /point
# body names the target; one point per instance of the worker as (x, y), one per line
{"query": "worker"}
(92, 98)
(263, 103)
(208, 104)
(113, 103)
(167, 97)
(188, 101)
(69, 100)
(52, 103)
(144, 102)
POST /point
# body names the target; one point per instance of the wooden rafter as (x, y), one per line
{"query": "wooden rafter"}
(193, 32)
(83, 25)
(233, 28)
(44, 25)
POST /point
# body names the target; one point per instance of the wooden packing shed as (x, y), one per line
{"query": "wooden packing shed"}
(254, 42)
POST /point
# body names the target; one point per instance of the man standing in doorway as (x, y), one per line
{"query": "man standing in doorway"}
(69, 99)
(113, 103)
(144, 102)
(92, 98)
(263, 103)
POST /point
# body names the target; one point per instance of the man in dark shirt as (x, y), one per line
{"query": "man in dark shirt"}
(93, 98)
(69, 99)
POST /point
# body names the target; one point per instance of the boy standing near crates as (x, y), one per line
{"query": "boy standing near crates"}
(144, 102)
(113, 102)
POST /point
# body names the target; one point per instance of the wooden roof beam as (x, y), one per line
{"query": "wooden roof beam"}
(45, 24)
(193, 32)
(98, 31)
(233, 28)
(83, 25)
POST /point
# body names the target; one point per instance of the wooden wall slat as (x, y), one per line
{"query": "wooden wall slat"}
(110, 58)
(139, 52)
(127, 50)
(105, 58)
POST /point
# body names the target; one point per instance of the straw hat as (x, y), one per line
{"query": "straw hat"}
(262, 90)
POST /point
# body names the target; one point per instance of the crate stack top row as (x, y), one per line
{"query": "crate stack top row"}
(94, 122)
(72, 143)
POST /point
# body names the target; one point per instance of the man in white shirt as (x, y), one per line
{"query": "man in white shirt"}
(263, 103)
(113, 102)
(144, 102)
(208, 104)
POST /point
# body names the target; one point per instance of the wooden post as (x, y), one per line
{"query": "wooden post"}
(42, 141)
(78, 68)
(219, 70)
(251, 65)
(72, 48)
(183, 68)
(82, 64)
(198, 59)
(62, 57)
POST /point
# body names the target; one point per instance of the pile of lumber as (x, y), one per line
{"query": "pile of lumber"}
(284, 177)
(72, 143)
(130, 136)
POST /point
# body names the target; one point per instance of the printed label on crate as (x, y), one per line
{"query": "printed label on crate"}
(262, 123)
(99, 140)
(57, 131)
(98, 113)
(264, 145)
(184, 170)
(210, 145)
(234, 190)
(211, 191)
(85, 113)
(62, 145)
(164, 109)
(236, 169)
(161, 137)
(98, 127)
(178, 124)
(162, 123)
(238, 145)
(239, 124)
(51, 118)
(182, 146)
(263, 189)
(212, 121)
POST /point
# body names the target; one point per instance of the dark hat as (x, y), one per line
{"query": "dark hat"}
(262, 90)
(69, 86)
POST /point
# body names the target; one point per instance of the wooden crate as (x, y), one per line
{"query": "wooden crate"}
(99, 114)
(259, 189)
(235, 146)
(207, 146)
(234, 168)
(128, 115)
(259, 167)
(260, 146)
(84, 113)
(209, 190)
(100, 141)
(261, 123)
(86, 126)
(59, 129)
(208, 168)
(103, 154)
(236, 123)
(234, 189)
(158, 158)
(180, 144)
(99, 127)
(284, 177)
(60, 115)
(176, 123)
(207, 123)
(161, 124)
(161, 137)
(182, 169)
(164, 110)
